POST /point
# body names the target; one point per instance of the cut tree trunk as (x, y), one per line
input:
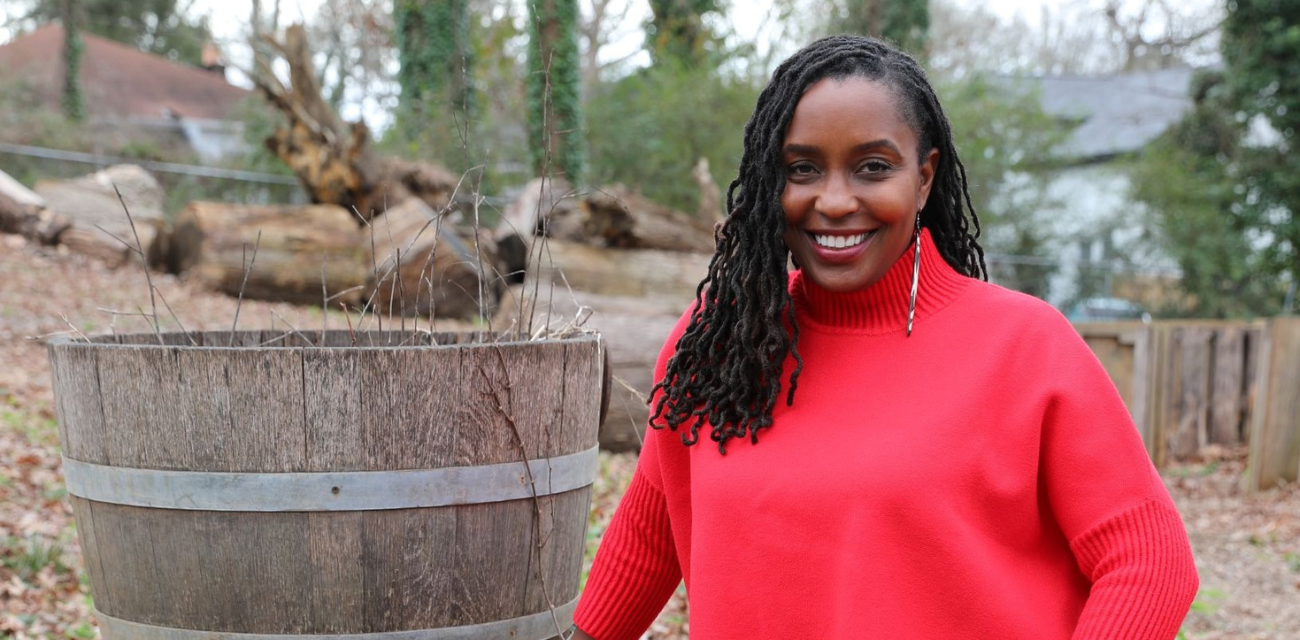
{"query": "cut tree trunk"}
(620, 218)
(214, 243)
(100, 226)
(25, 213)
(546, 207)
(621, 272)
(426, 268)
(333, 159)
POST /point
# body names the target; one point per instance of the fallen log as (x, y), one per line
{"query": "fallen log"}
(98, 224)
(546, 207)
(424, 267)
(214, 243)
(618, 217)
(620, 272)
(25, 213)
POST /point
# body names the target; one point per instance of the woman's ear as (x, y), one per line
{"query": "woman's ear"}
(928, 167)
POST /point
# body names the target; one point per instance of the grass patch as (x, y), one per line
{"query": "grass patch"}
(26, 557)
(38, 430)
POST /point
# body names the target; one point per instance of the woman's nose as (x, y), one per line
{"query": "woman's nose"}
(836, 199)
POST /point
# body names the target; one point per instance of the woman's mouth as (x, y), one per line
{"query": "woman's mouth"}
(835, 249)
(831, 241)
(840, 241)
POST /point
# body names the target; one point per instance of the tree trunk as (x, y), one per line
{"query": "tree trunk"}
(622, 219)
(99, 226)
(621, 272)
(24, 213)
(215, 243)
(426, 268)
(333, 159)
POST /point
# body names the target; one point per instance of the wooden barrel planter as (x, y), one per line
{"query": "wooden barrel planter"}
(366, 485)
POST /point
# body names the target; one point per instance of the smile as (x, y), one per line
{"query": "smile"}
(840, 242)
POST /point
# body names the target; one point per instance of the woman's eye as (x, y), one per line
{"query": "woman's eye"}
(801, 169)
(875, 166)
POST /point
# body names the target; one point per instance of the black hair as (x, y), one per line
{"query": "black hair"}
(727, 367)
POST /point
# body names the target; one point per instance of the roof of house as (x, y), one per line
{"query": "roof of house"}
(1119, 113)
(118, 81)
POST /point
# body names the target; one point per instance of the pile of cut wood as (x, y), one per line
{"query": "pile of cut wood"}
(385, 236)
(610, 260)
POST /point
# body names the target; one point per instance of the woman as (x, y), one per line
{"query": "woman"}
(947, 458)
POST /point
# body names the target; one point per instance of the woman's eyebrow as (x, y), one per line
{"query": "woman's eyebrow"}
(804, 149)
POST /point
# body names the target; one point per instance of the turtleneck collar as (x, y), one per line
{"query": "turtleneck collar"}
(882, 307)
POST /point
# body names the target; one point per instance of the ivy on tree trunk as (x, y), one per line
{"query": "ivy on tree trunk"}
(555, 139)
(906, 22)
(73, 106)
(435, 74)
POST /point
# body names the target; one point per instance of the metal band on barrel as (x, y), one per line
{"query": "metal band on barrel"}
(537, 626)
(328, 491)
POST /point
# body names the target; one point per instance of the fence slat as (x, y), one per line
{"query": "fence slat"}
(1226, 399)
(1193, 397)
(1275, 428)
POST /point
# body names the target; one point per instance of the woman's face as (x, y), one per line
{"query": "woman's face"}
(853, 183)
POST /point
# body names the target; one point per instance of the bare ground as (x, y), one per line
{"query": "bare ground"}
(1247, 545)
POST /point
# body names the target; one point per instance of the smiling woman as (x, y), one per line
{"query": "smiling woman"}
(854, 184)
(955, 464)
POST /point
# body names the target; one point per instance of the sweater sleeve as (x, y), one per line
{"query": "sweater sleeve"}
(1110, 503)
(636, 568)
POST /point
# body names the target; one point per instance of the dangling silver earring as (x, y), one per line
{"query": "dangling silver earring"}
(916, 273)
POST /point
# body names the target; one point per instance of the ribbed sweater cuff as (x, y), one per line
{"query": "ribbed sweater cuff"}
(1143, 573)
(635, 570)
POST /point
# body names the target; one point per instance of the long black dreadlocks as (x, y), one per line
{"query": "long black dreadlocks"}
(728, 363)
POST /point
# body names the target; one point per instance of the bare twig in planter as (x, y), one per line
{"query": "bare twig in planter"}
(343, 293)
(144, 261)
(247, 270)
(73, 328)
(115, 237)
(278, 338)
(324, 301)
(193, 342)
(349, 317)
(294, 330)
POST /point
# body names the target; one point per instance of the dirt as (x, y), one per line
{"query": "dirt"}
(1247, 545)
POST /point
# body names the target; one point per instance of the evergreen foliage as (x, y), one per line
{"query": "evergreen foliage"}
(676, 31)
(649, 128)
(1223, 187)
(906, 22)
(74, 108)
(555, 127)
(437, 101)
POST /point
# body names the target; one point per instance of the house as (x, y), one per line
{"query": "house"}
(137, 91)
(1113, 118)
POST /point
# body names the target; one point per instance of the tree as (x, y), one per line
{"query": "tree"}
(554, 90)
(1261, 48)
(1190, 183)
(436, 61)
(650, 128)
(677, 30)
(74, 108)
(1006, 143)
(906, 22)
(160, 27)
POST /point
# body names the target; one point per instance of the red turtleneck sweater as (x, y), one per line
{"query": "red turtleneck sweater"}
(979, 479)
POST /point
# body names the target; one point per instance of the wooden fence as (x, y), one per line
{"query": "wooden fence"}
(1193, 383)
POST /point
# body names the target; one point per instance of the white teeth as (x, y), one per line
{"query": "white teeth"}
(840, 242)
